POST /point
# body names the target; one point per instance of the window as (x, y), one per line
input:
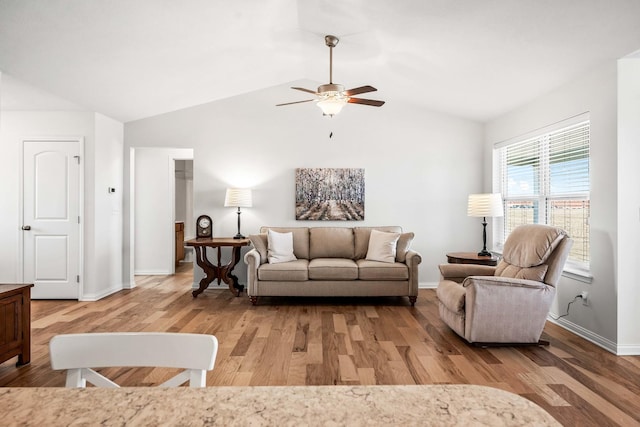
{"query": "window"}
(544, 179)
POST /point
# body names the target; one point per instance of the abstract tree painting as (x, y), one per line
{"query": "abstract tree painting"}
(330, 194)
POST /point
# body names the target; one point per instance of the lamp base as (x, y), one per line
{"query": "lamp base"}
(238, 236)
(485, 253)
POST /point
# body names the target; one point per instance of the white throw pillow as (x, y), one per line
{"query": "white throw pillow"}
(280, 247)
(382, 246)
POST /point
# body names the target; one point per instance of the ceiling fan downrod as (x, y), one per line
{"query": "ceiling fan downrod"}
(331, 41)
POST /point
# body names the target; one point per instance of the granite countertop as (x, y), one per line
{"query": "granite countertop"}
(437, 405)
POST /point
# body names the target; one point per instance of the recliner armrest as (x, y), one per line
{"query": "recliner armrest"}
(504, 282)
(458, 272)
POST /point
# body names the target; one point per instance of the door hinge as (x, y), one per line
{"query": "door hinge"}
(78, 278)
(77, 158)
(78, 219)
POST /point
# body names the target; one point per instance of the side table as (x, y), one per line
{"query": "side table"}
(218, 271)
(471, 258)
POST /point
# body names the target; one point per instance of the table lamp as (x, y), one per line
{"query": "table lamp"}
(485, 205)
(238, 198)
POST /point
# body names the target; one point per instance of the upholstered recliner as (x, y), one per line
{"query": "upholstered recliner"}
(509, 303)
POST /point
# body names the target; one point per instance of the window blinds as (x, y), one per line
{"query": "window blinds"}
(544, 179)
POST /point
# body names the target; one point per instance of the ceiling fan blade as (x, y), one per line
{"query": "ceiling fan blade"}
(359, 90)
(296, 102)
(305, 90)
(372, 102)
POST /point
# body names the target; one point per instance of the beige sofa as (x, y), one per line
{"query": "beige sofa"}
(332, 261)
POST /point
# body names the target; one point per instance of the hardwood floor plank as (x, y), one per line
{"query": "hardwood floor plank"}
(326, 341)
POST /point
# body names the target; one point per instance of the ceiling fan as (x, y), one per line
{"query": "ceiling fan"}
(331, 97)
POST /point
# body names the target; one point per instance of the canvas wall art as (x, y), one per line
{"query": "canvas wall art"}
(330, 194)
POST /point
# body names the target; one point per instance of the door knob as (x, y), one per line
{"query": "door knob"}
(26, 227)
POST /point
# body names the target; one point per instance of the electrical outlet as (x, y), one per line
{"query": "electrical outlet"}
(585, 298)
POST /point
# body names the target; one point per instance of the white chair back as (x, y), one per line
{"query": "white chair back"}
(80, 353)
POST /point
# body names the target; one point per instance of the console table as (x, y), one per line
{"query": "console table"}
(15, 321)
(218, 271)
(470, 258)
(339, 405)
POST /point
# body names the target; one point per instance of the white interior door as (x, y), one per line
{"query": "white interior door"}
(51, 218)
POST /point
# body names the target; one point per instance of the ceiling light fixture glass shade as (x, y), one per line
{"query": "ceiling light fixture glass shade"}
(332, 104)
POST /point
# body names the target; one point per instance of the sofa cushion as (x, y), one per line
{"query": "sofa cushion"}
(374, 270)
(300, 239)
(361, 238)
(530, 245)
(292, 271)
(259, 242)
(330, 242)
(403, 246)
(537, 273)
(280, 247)
(333, 269)
(382, 246)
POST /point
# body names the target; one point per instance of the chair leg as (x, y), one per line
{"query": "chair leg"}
(412, 300)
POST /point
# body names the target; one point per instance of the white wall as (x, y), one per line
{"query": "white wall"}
(105, 256)
(629, 204)
(594, 92)
(419, 165)
(154, 209)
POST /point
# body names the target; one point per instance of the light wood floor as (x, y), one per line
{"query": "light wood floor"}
(342, 341)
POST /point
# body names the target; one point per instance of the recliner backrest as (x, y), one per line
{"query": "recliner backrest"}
(535, 252)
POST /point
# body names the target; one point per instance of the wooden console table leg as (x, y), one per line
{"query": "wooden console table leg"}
(207, 267)
(234, 285)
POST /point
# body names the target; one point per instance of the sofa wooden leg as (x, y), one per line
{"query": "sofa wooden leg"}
(412, 300)
(254, 300)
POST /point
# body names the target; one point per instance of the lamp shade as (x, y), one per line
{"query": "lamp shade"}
(238, 198)
(485, 205)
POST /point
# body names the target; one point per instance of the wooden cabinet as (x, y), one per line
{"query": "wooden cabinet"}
(179, 242)
(15, 323)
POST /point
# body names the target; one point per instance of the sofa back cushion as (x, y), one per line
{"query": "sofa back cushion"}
(361, 238)
(300, 239)
(331, 242)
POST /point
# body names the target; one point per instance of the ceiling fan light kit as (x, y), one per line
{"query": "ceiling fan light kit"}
(331, 97)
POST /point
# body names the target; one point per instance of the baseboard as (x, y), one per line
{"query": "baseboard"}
(427, 285)
(628, 350)
(586, 334)
(152, 273)
(100, 295)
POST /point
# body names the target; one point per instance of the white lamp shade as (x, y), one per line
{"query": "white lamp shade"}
(238, 198)
(489, 204)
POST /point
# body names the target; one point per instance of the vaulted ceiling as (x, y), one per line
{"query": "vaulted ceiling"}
(473, 59)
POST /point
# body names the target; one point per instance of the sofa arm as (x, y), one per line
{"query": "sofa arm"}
(519, 306)
(459, 272)
(252, 259)
(413, 260)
